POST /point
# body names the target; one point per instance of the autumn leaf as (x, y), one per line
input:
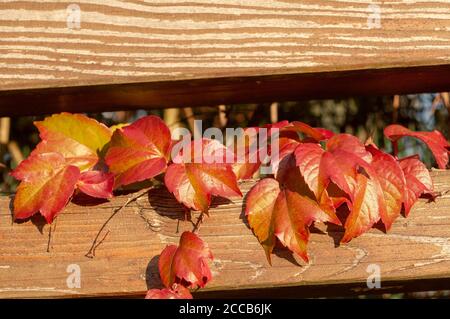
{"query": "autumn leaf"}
(434, 140)
(186, 263)
(311, 134)
(308, 157)
(177, 292)
(78, 138)
(364, 208)
(47, 184)
(392, 182)
(247, 159)
(279, 213)
(70, 143)
(340, 167)
(96, 184)
(287, 147)
(139, 151)
(194, 182)
(418, 181)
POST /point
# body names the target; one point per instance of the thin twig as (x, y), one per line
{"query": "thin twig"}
(99, 243)
(91, 252)
(198, 223)
(50, 237)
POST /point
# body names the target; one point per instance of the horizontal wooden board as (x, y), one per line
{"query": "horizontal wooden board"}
(157, 45)
(415, 254)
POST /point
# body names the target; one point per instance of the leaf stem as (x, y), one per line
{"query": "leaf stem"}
(198, 223)
(96, 242)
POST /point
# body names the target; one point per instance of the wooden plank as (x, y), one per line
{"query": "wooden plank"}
(225, 91)
(163, 43)
(415, 254)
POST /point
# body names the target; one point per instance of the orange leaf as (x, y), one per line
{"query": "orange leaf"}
(47, 184)
(392, 182)
(364, 210)
(78, 138)
(193, 184)
(187, 263)
(139, 151)
(418, 181)
(312, 133)
(247, 161)
(273, 212)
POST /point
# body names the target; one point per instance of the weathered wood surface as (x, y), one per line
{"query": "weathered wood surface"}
(414, 254)
(157, 44)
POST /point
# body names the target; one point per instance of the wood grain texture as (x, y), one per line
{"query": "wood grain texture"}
(170, 41)
(414, 254)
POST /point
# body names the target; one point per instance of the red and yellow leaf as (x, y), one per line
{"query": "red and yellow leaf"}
(308, 157)
(314, 134)
(139, 151)
(273, 212)
(392, 182)
(364, 210)
(418, 181)
(78, 138)
(194, 182)
(48, 183)
(247, 159)
(287, 147)
(187, 263)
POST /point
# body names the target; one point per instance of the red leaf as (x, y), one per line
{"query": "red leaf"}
(139, 151)
(287, 147)
(418, 181)
(193, 184)
(179, 292)
(434, 140)
(364, 210)
(179, 184)
(259, 208)
(187, 263)
(247, 159)
(341, 166)
(96, 184)
(273, 213)
(314, 134)
(47, 184)
(392, 182)
(350, 144)
(308, 157)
